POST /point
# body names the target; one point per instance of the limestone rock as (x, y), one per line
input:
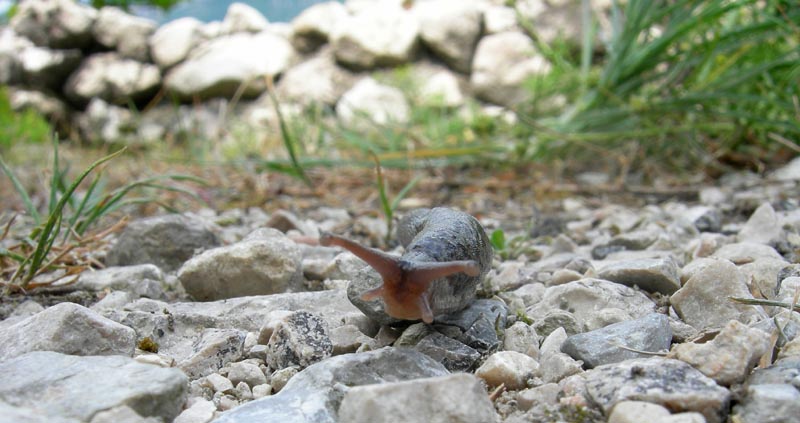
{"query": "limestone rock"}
(508, 367)
(317, 80)
(450, 28)
(454, 355)
(125, 33)
(241, 17)
(314, 26)
(521, 337)
(762, 226)
(48, 69)
(638, 411)
(55, 23)
(113, 78)
(651, 275)
(381, 35)
(144, 280)
(369, 103)
(300, 339)
(172, 42)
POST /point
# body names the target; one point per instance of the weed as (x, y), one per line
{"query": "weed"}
(387, 206)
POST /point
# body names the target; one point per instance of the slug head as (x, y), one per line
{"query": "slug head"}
(405, 283)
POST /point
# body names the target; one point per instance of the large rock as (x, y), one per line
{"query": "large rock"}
(43, 103)
(508, 368)
(452, 398)
(112, 78)
(223, 66)
(315, 393)
(144, 280)
(172, 42)
(166, 241)
(608, 345)
(671, 383)
(369, 103)
(314, 26)
(70, 329)
(67, 386)
(55, 23)
(104, 123)
(762, 227)
(125, 33)
(704, 301)
(11, 46)
(48, 69)
(451, 28)
(502, 64)
(381, 35)
(241, 17)
(317, 80)
(651, 275)
(300, 339)
(266, 262)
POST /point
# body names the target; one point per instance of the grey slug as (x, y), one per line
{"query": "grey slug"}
(447, 253)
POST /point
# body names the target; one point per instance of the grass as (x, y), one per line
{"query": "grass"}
(25, 127)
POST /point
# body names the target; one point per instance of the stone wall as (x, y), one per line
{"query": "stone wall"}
(107, 76)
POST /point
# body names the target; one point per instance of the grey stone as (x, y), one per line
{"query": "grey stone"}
(454, 355)
(451, 29)
(241, 17)
(769, 403)
(69, 386)
(783, 371)
(313, 26)
(347, 339)
(555, 319)
(67, 328)
(316, 81)
(729, 357)
(762, 227)
(651, 333)
(248, 373)
(509, 368)
(544, 394)
(639, 411)
(201, 411)
(166, 241)
(556, 367)
(48, 69)
(300, 339)
(102, 122)
(704, 218)
(43, 103)
(172, 42)
(746, 252)
(670, 383)
(478, 323)
(368, 103)
(315, 394)
(451, 398)
(377, 36)
(226, 65)
(143, 280)
(123, 32)
(210, 351)
(122, 414)
(704, 303)
(219, 383)
(441, 89)
(267, 262)
(521, 337)
(113, 78)
(763, 276)
(502, 63)
(788, 172)
(12, 414)
(583, 299)
(55, 23)
(651, 275)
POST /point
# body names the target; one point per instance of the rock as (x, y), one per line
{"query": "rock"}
(369, 103)
(508, 367)
(502, 63)
(48, 69)
(769, 404)
(200, 411)
(451, 398)
(651, 333)
(477, 323)
(112, 78)
(68, 386)
(210, 351)
(521, 337)
(762, 227)
(377, 36)
(638, 411)
(316, 393)
(789, 172)
(450, 28)
(704, 303)
(166, 241)
(762, 276)
(729, 357)
(704, 218)
(783, 371)
(454, 355)
(439, 86)
(544, 394)
(103, 123)
(300, 339)
(261, 391)
(125, 33)
(584, 298)
(651, 275)
(172, 42)
(43, 103)
(219, 383)
(314, 26)
(67, 328)
(55, 23)
(555, 319)
(226, 65)
(347, 339)
(746, 252)
(11, 46)
(316, 81)
(144, 280)
(670, 383)
(248, 373)
(242, 17)
(556, 367)
(497, 18)
(266, 262)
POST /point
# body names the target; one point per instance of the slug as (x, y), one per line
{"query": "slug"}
(447, 253)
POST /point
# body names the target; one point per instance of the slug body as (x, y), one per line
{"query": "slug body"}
(447, 253)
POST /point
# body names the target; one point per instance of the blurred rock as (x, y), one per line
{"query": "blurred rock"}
(172, 42)
(369, 103)
(113, 78)
(313, 26)
(450, 28)
(242, 17)
(377, 36)
(128, 35)
(55, 23)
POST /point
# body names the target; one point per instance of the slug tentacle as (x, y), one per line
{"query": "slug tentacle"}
(386, 265)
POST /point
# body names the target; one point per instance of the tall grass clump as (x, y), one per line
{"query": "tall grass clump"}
(686, 82)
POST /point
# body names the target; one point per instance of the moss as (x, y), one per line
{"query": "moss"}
(147, 344)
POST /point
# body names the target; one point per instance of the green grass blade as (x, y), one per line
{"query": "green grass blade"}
(26, 199)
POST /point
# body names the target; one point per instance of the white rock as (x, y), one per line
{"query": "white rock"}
(499, 19)
(220, 66)
(172, 42)
(260, 391)
(381, 35)
(521, 337)
(241, 17)
(508, 367)
(115, 79)
(55, 23)
(451, 29)
(248, 373)
(762, 227)
(789, 172)
(202, 411)
(314, 26)
(317, 80)
(369, 103)
(219, 383)
(502, 63)
(639, 411)
(125, 33)
(442, 89)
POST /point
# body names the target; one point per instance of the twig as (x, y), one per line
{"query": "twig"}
(783, 141)
(756, 301)
(8, 226)
(627, 348)
(497, 392)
